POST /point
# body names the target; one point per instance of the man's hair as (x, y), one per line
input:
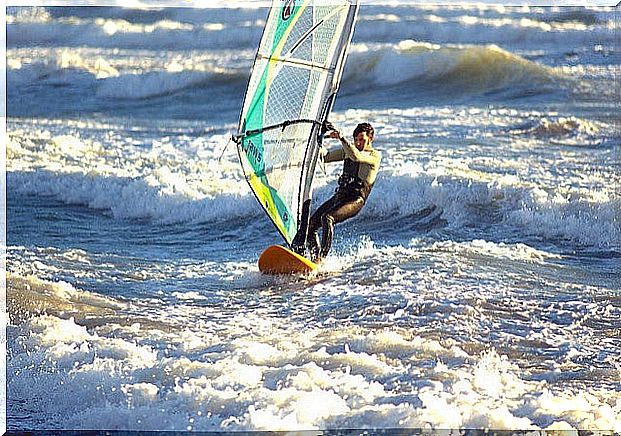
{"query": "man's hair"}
(364, 127)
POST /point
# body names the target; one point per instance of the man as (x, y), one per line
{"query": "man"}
(360, 167)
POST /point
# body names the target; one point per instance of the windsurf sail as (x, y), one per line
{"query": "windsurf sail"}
(294, 80)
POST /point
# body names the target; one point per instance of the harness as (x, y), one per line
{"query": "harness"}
(350, 183)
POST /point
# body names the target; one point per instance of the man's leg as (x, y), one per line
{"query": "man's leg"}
(327, 234)
(341, 211)
(314, 245)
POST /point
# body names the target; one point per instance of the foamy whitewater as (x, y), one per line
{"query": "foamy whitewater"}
(479, 287)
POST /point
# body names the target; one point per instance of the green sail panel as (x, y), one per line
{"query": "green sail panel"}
(294, 79)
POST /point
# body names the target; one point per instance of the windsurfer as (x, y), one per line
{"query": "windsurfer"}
(360, 167)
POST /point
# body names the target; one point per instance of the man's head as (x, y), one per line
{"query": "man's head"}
(363, 135)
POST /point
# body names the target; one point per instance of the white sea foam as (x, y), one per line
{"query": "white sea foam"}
(83, 171)
(169, 199)
(435, 54)
(212, 28)
(469, 69)
(496, 250)
(107, 74)
(151, 84)
(118, 32)
(313, 379)
(31, 295)
(459, 201)
(473, 68)
(563, 130)
(193, 186)
(111, 57)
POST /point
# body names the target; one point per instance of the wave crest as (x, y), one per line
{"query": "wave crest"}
(571, 131)
(467, 69)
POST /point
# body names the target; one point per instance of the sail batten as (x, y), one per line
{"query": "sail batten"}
(290, 92)
(298, 62)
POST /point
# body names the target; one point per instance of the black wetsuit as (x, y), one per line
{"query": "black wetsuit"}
(354, 187)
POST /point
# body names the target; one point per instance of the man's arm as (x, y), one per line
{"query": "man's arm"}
(367, 157)
(333, 155)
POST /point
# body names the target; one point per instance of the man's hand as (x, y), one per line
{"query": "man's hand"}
(335, 134)
(329, 128)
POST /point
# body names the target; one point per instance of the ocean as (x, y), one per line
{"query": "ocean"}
(479, 287)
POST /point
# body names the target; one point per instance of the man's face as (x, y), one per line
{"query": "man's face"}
(362, 140)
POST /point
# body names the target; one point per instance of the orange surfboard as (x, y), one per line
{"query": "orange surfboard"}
(280, 260)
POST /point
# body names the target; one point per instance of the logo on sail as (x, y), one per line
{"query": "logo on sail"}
(287, 9)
